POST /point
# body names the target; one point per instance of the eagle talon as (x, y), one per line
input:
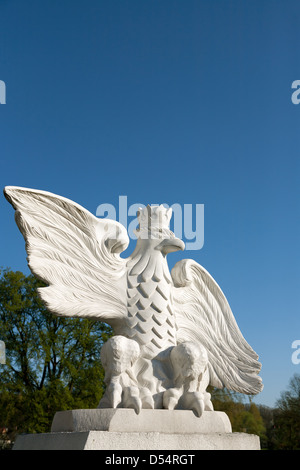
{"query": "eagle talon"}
(147, 399)
(114, 391)
(171, 398)
(132, 399)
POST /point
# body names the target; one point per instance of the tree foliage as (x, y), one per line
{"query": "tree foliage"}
(52, 363)
(243, 417)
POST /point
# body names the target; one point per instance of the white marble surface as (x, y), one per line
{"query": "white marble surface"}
(126, 420)
(175, 333)
(114, 441)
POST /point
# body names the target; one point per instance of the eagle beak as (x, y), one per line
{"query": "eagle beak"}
(170, 245)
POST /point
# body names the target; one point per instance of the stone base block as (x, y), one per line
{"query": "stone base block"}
(104, 440)
(122, 429)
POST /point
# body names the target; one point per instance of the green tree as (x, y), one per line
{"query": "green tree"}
(243, 417)
(252, 422)
(52, 363)
(287, 417)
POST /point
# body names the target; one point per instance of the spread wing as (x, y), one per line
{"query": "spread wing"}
(74, 252)
(204, 315)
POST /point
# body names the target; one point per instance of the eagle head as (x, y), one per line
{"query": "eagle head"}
(154, 222)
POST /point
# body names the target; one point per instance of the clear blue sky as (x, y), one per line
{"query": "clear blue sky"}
(168, 101)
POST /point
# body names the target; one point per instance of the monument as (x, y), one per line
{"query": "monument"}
(174, 332)
(2, 352)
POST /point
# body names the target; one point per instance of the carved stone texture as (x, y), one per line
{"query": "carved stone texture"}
(175, 333)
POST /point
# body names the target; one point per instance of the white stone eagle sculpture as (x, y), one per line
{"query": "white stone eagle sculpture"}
(174, 333)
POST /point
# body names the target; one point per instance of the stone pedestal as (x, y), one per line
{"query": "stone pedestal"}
(123, 429)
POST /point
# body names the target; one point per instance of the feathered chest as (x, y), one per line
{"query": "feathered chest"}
(150, 320)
